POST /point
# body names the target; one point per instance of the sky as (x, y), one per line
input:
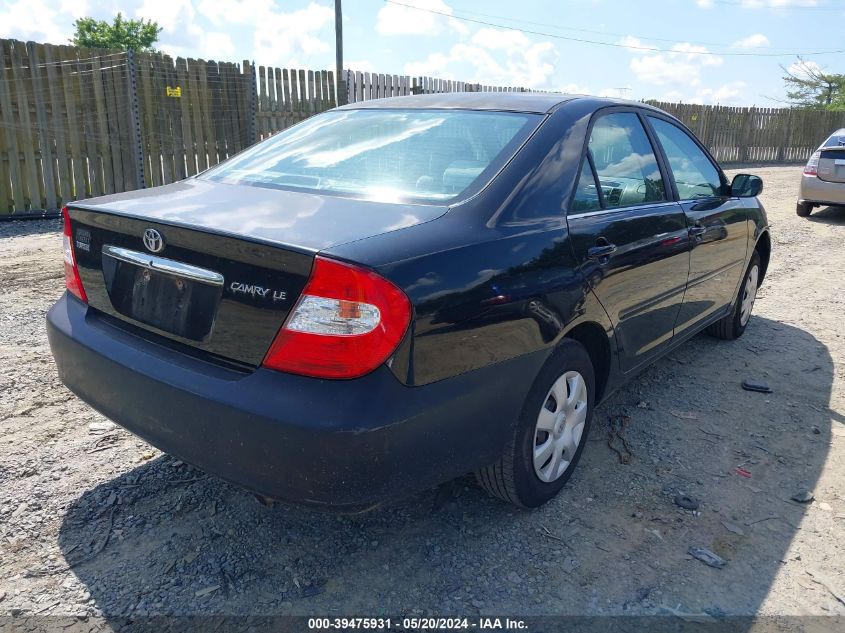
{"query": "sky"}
(703, 51)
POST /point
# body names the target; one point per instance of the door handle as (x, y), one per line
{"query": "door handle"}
(697, 230)
(601, 250)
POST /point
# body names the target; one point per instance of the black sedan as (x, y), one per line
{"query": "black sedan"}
(397, 292)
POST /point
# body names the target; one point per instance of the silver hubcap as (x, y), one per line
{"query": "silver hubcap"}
(560, 426)
(749, 293)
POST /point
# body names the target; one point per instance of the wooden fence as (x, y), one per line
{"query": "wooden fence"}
(757, 135)
(364, 86)
(192, 114)
(286, 97)
(62, 125)
(76, 123)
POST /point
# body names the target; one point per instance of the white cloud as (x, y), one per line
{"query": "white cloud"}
(362, 65)
(680, 74)
(76, 7)
(726, 94)
(170, 14)
(620, 92)
(219, 45)
(777, 4)
(800, 69)
(394, 19)
(681, 65)
(635, 44)
(574, 89)
(222, 12)
(226, 30)
(763, 4)
(493, 57)
(35, 20)
(434, 64)
(500, 39)
(278, 37)
(181, 35)
(758, 40)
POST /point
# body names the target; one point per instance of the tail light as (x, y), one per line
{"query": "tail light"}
(812, 167)
(72, 280)
(347, 322)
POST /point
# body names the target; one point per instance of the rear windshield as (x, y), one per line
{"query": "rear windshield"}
(835, 140)
(391, 155)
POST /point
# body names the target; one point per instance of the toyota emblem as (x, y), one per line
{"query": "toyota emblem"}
(153, 241)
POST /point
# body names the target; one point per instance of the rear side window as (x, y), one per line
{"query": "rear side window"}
(694, 174)
(586, 194)
(625, 163)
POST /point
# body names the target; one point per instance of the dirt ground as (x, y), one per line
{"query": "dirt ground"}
(94, 522)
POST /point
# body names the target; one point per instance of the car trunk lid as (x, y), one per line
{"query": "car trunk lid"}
(231, 263)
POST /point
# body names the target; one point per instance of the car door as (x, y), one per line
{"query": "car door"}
(630, 239)
(717, 225)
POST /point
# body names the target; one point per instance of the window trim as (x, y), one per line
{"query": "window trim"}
(592, 163)
(671, 194)
(683, 128)
(589, 158)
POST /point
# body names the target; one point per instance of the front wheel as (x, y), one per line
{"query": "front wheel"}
(733, 325)
(550, 434)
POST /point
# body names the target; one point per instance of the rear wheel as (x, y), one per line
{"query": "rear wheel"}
(551, 433)
(733, 325)
(803, 209)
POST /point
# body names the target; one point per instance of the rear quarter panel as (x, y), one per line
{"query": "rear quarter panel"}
(486, 303)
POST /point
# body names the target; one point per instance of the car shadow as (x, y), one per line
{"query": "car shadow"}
(165, 539)
(828, 215)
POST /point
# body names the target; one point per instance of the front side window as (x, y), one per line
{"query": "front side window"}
(694, 174)
(386, 155)
(625, 163)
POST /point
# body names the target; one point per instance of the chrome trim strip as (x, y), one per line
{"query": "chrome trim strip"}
(613, 210)
(160, 264)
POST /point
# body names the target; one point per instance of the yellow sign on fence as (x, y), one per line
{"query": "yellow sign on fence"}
(174, 92)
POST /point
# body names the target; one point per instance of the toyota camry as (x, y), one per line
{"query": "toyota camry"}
(397, 292)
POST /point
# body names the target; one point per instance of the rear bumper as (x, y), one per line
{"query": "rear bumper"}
(820, 191)
(343, 444)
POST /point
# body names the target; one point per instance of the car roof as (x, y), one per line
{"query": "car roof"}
(536, 102)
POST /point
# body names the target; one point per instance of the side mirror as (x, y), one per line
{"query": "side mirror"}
(746, 186)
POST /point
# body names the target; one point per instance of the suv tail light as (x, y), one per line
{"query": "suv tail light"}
(812, 167)
(347, 322)
(72, 280)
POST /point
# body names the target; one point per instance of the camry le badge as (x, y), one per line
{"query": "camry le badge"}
(153, 241)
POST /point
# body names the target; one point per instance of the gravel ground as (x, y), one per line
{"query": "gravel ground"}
(94, 522)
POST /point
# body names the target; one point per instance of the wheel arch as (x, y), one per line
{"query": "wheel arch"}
(764, 249)
(595, 340)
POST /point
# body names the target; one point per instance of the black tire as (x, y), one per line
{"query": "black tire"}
(803, 209)
(731, 327)
(513, 478)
